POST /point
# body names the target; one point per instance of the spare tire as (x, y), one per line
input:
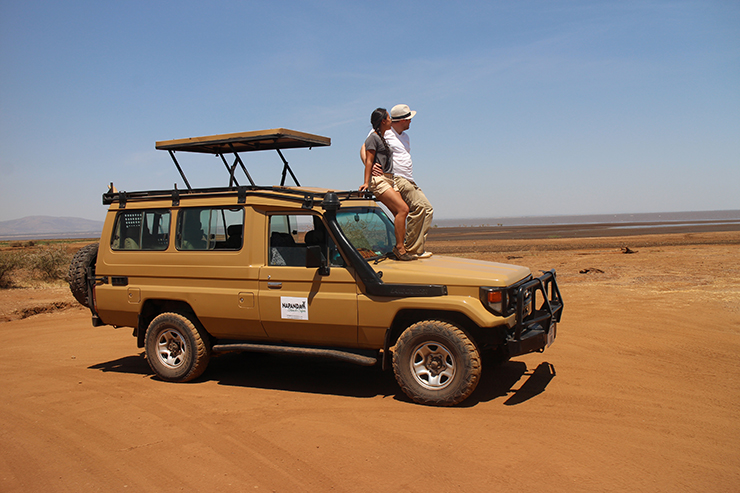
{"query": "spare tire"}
(77, 277)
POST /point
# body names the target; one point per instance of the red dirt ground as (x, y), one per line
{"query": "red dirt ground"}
(640, 392)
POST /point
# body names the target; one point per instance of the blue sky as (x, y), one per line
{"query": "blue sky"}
(524, 107)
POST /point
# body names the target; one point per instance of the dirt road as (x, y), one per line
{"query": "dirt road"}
(640, 392)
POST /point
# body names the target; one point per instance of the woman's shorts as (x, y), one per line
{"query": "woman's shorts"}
(381, 184)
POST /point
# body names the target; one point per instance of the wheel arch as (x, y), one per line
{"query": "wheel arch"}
(488, 338)
(153, 307)
(406, 318)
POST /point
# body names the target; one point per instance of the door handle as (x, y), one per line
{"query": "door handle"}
(274, 285)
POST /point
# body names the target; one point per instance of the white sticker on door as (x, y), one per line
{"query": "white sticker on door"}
(294, 308)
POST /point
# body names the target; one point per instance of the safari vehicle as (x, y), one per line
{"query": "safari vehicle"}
(294, 269)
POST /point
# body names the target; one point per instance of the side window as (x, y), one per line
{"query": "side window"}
(206, 228)
(141, 230)
(290, 235)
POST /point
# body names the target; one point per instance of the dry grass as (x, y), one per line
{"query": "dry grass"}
(36, 264)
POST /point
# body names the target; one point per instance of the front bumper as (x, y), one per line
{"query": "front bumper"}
(535, 327)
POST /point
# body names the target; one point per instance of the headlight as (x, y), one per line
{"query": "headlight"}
(503, 301)
(495, 300)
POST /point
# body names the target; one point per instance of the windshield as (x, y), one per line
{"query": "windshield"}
(368, 229)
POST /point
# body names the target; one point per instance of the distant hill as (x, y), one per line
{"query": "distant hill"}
(48, 227)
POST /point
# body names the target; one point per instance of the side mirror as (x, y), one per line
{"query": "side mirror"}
(315, 259)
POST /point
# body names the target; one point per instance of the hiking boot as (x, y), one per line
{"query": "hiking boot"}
(405, 256)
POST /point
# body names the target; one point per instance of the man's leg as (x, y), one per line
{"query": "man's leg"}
(419, 218)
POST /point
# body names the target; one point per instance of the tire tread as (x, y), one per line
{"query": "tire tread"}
(201, 355)
(438, 330)
(77, 275)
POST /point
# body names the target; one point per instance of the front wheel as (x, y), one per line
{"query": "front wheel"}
(176, 350)
(436, 363)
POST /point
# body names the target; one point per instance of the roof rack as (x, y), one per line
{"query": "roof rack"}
(261, 140)
(306, 196)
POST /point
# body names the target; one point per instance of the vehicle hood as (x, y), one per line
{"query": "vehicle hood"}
(450, 271)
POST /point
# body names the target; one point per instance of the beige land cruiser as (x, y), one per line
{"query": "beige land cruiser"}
(299, 270)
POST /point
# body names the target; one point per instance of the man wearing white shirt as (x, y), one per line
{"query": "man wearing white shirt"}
(420, 210)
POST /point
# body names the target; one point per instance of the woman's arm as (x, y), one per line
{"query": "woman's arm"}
(369, 160)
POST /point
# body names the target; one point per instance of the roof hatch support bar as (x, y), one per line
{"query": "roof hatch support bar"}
(239, 160)
(172, 154)
(287, 168)
(230, 169)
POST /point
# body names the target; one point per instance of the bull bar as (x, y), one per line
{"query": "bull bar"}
(536, 330)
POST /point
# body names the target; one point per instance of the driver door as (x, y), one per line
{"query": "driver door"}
(297, 304)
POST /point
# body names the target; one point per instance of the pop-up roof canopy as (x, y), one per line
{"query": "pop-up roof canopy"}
(261, 140)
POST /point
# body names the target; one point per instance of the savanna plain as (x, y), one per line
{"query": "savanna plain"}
(639, 392)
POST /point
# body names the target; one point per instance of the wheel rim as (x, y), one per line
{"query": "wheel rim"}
(432, 365)
(171, 348)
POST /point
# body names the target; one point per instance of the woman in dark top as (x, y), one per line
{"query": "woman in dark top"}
(384, 187)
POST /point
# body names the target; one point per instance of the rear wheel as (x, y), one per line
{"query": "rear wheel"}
(436, 363)
(77, 276)
(176, 348)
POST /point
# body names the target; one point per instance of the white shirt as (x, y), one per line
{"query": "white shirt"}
(400, 145)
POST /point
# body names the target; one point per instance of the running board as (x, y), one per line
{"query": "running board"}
(357, 359)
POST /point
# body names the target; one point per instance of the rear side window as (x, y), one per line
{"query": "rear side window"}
(141, 230)
(205, 228)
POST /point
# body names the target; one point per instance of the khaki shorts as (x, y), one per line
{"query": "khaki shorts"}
(381, 184)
